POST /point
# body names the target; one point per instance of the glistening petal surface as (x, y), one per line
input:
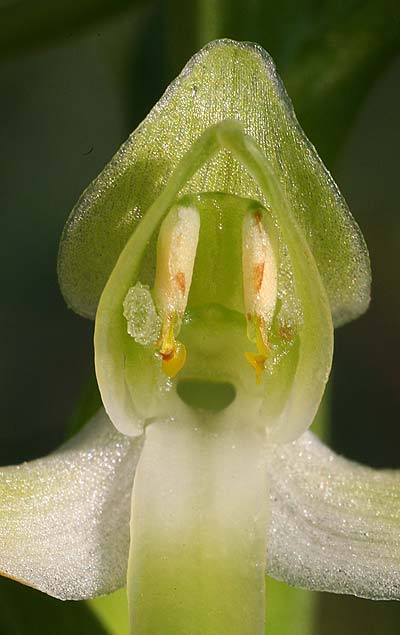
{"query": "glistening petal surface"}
(64, 519)
(335, 524)
(225, 80)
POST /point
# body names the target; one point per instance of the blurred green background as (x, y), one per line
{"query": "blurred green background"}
(75, 79)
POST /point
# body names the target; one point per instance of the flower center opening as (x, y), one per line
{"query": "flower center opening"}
(206, 395)
(207, 313)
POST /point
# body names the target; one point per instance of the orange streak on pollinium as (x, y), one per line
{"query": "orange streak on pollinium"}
(286, 333)
(258, 275)
(180, 281)
(167, 356)
(258, 219)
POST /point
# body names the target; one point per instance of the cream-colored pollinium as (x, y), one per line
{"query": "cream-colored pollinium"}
(260, 269)
(260, 285)
(176, 253)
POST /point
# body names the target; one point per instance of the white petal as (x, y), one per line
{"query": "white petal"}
(335, 524)
(64, 519)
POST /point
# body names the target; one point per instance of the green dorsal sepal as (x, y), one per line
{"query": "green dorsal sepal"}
(225, 80)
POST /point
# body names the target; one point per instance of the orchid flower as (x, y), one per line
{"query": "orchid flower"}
(216, 255)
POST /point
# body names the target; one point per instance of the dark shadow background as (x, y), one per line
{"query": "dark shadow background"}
(366, 396)
(66, 105)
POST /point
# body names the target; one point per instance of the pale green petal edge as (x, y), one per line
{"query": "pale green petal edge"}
(335, 524)
(64, 519)
(225, 80)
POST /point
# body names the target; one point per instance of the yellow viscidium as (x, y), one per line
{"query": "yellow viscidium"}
(257, 360)
(173, 352)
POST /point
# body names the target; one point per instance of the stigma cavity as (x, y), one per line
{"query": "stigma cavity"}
(260, 284)
(176, 253)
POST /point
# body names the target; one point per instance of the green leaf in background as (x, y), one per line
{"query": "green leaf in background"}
(25, 611)
(289, 610)
(89, 401)
(349, 615)
(328, 53)
(27, 23)
(337, 63)
(112, 611)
